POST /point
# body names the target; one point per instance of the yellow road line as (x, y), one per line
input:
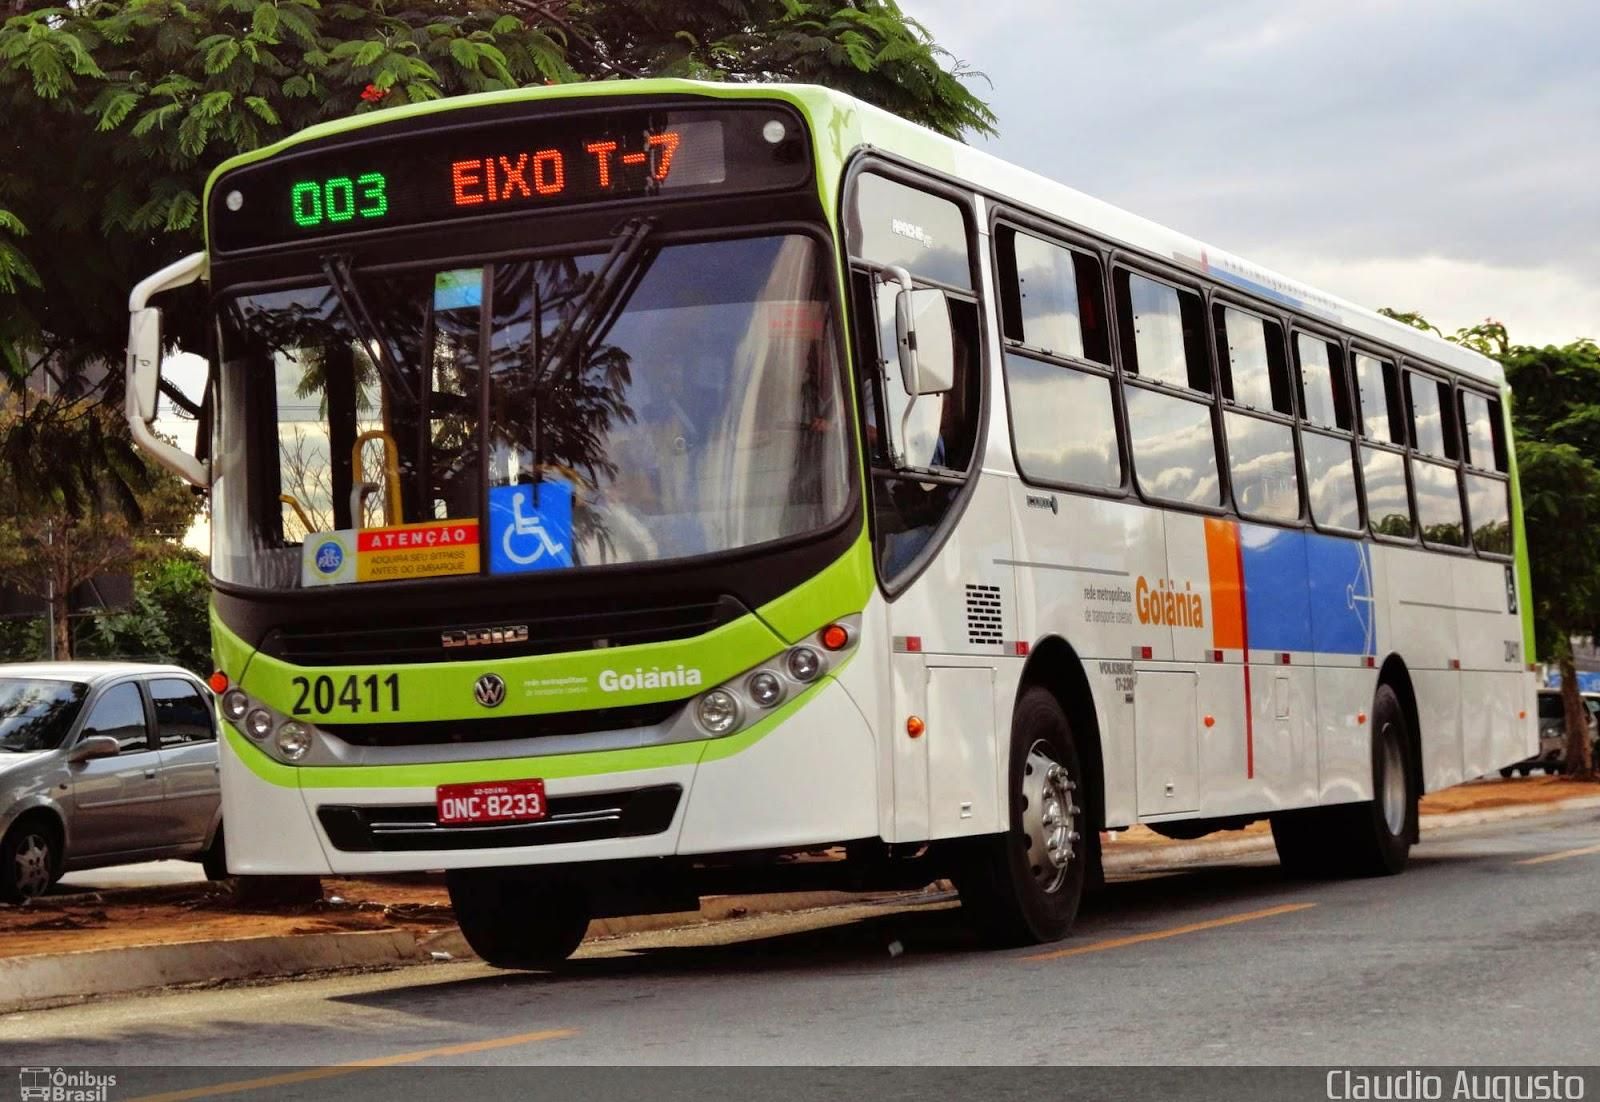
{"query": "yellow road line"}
(1563, 855)
(309, 1075)
(1176, 931)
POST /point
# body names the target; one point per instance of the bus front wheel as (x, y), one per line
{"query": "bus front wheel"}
(1370, 838)
(1024, 886)
(516, 918)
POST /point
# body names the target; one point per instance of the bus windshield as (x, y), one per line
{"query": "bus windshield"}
(639, 405)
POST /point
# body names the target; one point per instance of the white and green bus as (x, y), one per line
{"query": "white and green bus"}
(627, 491)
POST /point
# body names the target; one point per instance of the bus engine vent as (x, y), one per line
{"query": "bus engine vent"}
(983, 616)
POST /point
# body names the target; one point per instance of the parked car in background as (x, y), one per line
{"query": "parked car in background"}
(1552, 755)
(104, 763)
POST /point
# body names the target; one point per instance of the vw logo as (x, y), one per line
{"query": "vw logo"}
(490, 691)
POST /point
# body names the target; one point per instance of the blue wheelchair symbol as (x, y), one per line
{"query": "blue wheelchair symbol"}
(526, 536)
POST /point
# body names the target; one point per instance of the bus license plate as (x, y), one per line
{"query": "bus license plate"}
(497, 802)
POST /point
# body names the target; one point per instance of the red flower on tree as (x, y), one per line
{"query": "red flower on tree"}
(373, 94)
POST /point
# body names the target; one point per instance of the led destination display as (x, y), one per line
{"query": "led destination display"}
(452, 171)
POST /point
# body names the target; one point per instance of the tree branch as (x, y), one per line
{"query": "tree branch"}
(541, 8)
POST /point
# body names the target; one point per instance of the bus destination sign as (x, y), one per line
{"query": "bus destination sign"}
(447, 173)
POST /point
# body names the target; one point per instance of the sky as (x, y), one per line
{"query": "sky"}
(1431, 155)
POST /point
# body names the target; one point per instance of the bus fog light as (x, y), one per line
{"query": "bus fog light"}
(258, 724)
(765, 689)
(235, 704)
(804, 664)
(718, 711)
(293, 740)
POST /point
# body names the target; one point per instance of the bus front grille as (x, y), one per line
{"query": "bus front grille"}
(502, 728)
(458, 635)
(586, 818)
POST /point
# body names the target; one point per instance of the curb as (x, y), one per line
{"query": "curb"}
(63, 976)
(32, 981)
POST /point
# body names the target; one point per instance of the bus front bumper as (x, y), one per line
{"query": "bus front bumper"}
(806, 777)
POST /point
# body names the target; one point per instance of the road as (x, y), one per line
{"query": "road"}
(1487, 951)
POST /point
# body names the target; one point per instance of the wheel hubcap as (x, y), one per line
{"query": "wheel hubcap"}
(32, 872)
(1049, 817)
(1393, 783)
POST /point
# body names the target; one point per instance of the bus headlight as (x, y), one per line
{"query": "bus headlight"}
(718, 711)
(764, 688)
(804, 664)
(293, 740)
(258, 724)
(235, 704)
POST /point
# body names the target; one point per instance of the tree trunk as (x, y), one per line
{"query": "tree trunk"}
(1579, 761)
(61, 645)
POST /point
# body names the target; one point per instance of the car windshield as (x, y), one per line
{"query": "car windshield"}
(644, 404)
(36, 714)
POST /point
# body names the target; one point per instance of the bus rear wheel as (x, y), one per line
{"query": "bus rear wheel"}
(1024, 887)
(515, 918)
(1370, 838)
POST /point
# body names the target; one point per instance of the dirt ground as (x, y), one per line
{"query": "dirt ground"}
(67, 922)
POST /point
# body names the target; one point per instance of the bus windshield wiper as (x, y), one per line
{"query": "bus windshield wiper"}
(602, 300)
(366, 326)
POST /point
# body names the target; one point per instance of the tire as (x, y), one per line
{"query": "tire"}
(30, 859)
(1523, 770)
(277, 891)
(1370, 838)
(1506, 772)
(514, 918)
(1024, 887)
(214, 861)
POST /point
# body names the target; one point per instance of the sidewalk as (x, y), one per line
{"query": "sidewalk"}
(74, 943)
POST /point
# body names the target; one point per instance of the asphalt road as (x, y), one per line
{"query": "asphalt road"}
(1487, 950)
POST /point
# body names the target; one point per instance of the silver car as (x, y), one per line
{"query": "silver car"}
(103, 763)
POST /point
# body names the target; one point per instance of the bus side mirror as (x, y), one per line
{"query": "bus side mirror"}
(144, 360)
(143, 378)
(926, 341)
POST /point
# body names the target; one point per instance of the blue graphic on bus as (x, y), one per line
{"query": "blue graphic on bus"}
(1307, 592)
(530, 527)
(330, 557)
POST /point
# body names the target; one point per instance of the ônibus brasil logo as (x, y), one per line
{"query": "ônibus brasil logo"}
(613, 681)
(61, 1085)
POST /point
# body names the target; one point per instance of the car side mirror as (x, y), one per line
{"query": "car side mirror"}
(926, 341)
(94, 746)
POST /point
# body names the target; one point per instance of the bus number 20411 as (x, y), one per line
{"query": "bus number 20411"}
(320, 695)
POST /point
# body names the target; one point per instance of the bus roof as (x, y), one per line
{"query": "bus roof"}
(845, 124)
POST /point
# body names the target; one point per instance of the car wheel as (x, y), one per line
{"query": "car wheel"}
(1024, 887)
(30, 860)
(516, 918)
(1523, 770)
(1507, 771)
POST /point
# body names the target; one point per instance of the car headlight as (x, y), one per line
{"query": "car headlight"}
(804, 664)
(235, 704)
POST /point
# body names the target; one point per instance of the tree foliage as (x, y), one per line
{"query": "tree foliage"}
(116, 110)
(1555, 415)
(84, 519)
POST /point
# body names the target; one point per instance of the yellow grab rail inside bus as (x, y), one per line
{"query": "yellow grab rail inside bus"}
(393, 510)
(293, 503)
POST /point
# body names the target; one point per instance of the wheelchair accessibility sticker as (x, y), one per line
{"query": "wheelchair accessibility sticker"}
(530, 527)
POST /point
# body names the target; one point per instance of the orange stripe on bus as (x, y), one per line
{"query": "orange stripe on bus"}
(1227, 584)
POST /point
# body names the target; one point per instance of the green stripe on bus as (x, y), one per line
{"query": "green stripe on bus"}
(548, 767)
(1519, 536)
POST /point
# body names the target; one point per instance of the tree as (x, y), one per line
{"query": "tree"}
(1556, 422)
(117, 110)
(85, 519)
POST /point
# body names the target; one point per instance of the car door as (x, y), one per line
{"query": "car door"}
(116, 801)
(186, 736)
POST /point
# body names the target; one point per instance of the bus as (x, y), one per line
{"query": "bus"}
(623, 492)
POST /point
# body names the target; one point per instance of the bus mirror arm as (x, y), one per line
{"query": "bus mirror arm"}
(143, 379)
